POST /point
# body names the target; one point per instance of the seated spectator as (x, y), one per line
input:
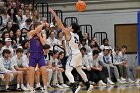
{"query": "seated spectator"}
(52, 40)
(6, 66)
(5, 35)
(27, 15)
(57, 74)
(105, 43)
(84, 44)
(106, 61)
(8, 26)
(1, 45)
(8, 46)
(86, 36)
(24, 27)
(99, 74)
(124, 71)
(20, 17)
(85, 63)
(20, 65)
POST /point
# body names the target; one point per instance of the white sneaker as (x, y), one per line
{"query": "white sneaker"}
(78, 89)
(33, 91)
(24, 88)
(101, 83)
(110, 82)
(44, 90)
(123, 79)
(120, 81)
(130, 80)
(137, 81)
(64, 86)
(90, 89)
(59, 86)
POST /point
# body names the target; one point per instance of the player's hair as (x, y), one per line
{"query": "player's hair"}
(46, 46)
(75, 27)
(94, 52)
(35, 24)
(7, 51)
(19, 50)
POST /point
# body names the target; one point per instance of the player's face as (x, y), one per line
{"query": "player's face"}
(70, 29)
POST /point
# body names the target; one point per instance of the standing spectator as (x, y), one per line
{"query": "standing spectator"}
(86, 36)
(35, 15)
(27, 15)
(12, 15)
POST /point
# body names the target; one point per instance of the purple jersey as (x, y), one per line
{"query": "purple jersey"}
(35, 46)
(36, 53)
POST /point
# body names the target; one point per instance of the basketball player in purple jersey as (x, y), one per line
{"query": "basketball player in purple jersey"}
(37, 41)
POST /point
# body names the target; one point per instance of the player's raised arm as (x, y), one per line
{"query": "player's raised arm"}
(59, 23)
(38, 28)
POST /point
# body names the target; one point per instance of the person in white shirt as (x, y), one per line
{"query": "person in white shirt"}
(57, 74)
(85, 63)
(20, 65)
(8, 46)
(106, 61)
(105, 43)
(52, 40)
(125, 72)
(1, 45)
(7, 66)
(84, 44)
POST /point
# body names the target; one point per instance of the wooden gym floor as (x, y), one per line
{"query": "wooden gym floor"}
(131, 88)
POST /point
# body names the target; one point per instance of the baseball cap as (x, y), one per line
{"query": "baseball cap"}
(8, 39)
(106, 47)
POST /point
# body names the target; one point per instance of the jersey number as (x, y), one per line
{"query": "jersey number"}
(76, 40)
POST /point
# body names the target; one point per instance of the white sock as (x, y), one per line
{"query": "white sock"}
(22, 85)
(18, 86)
(45, 87)
(7, 86)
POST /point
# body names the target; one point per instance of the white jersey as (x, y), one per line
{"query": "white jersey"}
(72, 44)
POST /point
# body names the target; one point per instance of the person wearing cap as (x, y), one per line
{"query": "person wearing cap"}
(105, 59)
(8, 46)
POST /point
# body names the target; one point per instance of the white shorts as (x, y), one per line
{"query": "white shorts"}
(11, 77)
(74, 60)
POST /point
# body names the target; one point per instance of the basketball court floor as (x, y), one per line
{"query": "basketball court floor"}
(131, 88)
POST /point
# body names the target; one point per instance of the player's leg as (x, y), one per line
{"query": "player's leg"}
(70, 78)
(42, 65)
(31, 77)
(32, 65)
(37, 79)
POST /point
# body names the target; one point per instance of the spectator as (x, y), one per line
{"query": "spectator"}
(12, 15)
(105, 43)
(86, 36)
(20, 17)
(5, 35)
(1, 45)
(20, 65)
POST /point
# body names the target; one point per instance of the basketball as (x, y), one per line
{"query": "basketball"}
(80, 6)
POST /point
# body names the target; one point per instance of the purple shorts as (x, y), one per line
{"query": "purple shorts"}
(37, 58)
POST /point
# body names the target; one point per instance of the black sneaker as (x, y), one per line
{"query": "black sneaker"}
(7, 90)
(87, 84)
(73, 87)
(38, 88)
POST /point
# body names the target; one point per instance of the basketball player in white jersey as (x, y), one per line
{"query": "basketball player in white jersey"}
(74, 54)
